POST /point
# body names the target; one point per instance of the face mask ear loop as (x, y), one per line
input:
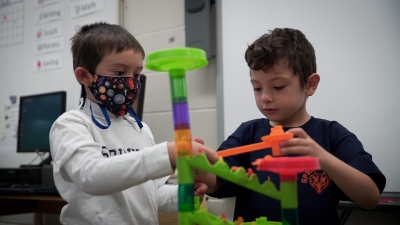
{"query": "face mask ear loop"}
(133, 114)
(105, 114)
(81, 101)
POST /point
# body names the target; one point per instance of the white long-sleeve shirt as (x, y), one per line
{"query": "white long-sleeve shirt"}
(111, 176)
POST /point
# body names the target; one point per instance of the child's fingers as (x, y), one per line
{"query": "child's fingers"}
(298, 145)
(299, 132)
(297, 149)
(300, 139)
(198, 140)
(292, 142)
(212, 156)
(201, 188)
(200, 148)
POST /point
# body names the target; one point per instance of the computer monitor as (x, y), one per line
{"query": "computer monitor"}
(37, 114)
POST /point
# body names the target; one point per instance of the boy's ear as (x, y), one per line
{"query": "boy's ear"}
(312, 84)
(83, 76)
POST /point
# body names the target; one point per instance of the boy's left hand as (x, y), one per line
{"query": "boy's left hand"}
(303, 145)
(200, 189)
(359, 187)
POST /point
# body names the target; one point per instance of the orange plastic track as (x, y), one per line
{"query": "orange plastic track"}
(269, 141)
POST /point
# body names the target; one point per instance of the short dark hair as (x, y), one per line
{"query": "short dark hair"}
(289, 45)
(93, 41)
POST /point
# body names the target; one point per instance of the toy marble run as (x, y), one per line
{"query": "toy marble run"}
(176, 62)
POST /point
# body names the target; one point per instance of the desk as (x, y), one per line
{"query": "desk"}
(15, 204)
(168, 218)
(389, 202)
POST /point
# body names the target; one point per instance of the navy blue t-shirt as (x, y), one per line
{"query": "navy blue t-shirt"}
(318, 196)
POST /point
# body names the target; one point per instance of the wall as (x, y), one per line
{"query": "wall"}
(20, 77)
(358, 50)
(158, 25)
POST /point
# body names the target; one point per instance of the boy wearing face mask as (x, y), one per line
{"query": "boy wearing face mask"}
(106, 163)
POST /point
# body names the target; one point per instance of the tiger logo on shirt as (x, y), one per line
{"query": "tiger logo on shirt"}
(317, 179)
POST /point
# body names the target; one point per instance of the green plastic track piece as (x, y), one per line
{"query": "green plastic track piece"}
(176, 58)
(240, 176)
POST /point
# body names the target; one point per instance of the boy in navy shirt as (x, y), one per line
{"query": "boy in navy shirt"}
(283, 75)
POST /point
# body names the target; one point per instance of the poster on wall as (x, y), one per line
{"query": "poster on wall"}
(48, 31)
(12, 22)
(8, 129)
(48, 45)
(44, 2)
(47, 62)
(50, 13)
(80, 8)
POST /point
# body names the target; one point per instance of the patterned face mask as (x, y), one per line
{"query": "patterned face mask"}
(116, 94)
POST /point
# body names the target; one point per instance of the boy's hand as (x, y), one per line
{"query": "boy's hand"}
(200, 175)
(200, 189)
(200, 148)
(198, 140)
(303, 145)
(359, 187)
(196, 149)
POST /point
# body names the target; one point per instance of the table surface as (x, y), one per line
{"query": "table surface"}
(11, 204)
(390, 201)
(15, 204)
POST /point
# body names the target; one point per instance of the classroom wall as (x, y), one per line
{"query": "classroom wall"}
(159, 25)
(20, 76)
(358, 51)
(19, 73)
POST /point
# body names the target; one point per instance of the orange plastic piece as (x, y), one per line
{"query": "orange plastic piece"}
(239, 220)
(269, 141)
(183, 142)
(183, 148)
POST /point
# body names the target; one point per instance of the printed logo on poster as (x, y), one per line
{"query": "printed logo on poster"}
(47, 62)
(48, 45)
(79, 8)
(54, 12)
(48, 31)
